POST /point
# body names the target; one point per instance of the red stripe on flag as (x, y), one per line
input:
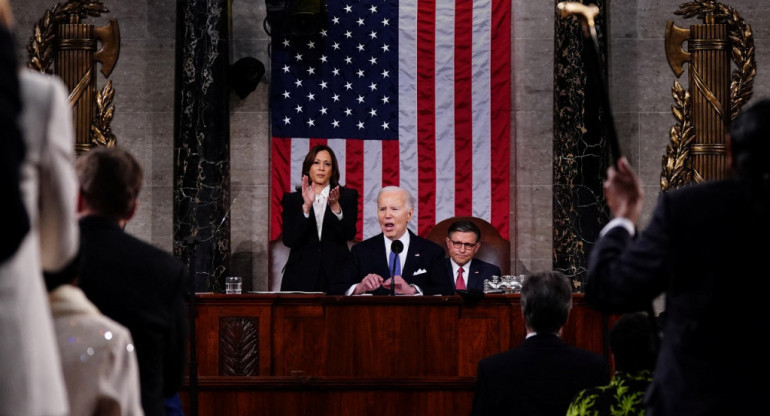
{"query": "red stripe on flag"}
(354, 177)
(426, 122)
(501, 114)
(390, 163)
(316, 142)
(463, 57)
(281, 163)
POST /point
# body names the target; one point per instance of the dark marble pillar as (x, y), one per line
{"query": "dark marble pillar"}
(202, 141)
(580, 150)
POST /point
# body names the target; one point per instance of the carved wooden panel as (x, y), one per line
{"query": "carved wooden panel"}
(238, 346)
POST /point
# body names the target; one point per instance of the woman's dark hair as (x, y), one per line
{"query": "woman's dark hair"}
(334, 179)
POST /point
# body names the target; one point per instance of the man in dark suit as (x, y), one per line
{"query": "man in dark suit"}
(373, 259)
(461, 268)
(540, 376)
(129, 280)
(700, 249)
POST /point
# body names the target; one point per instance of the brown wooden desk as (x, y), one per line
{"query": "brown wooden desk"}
(281, 354)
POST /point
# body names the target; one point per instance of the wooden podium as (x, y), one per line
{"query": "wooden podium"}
(291, 354)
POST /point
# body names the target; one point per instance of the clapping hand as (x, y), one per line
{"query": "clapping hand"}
(308, 194)
(334, 200)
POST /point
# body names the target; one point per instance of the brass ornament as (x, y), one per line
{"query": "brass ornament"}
(61, 41)
(692, 157)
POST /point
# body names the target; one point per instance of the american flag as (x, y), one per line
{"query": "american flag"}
(414, 93)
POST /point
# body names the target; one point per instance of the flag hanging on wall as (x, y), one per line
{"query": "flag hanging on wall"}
(414, 93)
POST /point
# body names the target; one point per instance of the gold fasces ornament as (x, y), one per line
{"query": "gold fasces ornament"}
(71, 46)
(716, 94)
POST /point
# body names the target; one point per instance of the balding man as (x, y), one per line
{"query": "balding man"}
(375, 261)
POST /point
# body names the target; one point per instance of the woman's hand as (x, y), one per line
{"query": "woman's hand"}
(334, 200)
(308, 195)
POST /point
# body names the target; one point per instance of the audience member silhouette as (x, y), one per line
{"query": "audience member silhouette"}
(542, 375)
(632, 343)
(705, 249)
(132, 282)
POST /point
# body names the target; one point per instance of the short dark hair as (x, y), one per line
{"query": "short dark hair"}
(110, 181)
(464, 227)
(632, 341)
(334, 179)
(546, 299)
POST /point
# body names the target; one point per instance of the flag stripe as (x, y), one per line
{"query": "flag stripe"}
(500, 113)
(482, 152)
(444, 110)
(281, 169)
(407, 102)
(354, 174)
(426, 104)
(463, 111)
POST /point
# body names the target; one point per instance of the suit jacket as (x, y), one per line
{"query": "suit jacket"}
(421, 258)
(313, 263)
(109, 378)
(32, 382)
(142, 288)
(474, 278)
(700, 248)
(539, 377)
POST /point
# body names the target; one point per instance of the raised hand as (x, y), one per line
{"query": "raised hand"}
(308, 194)
(623, 191)
(334, 200)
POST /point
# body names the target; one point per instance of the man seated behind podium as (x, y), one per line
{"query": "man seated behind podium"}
(461, 268)
(373, 259)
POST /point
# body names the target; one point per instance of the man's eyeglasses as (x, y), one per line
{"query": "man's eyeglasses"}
(460, 244)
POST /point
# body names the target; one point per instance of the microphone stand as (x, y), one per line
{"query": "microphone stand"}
(193, 364)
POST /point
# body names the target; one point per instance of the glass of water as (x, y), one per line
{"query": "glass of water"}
(233, 285)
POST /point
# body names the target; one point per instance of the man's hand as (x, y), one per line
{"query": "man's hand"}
(402, 287)
(623, 191)
(370, 282)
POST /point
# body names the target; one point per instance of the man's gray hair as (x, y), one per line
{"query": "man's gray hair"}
(393, 188)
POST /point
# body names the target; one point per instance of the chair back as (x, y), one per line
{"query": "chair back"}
(494, 248)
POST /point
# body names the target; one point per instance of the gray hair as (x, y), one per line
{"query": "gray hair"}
(393, 188)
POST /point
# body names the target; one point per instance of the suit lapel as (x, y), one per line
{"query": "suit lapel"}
(381, 262)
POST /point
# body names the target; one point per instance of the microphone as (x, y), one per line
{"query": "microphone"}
(396, 247)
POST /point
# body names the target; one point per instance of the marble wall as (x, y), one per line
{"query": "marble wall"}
(640, 83)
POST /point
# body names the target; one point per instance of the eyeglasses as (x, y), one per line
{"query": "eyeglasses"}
(460, 244)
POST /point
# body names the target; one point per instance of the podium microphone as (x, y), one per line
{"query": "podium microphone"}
(396, 247)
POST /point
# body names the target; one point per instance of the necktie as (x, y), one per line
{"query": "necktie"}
(394, 257)
(460, 283)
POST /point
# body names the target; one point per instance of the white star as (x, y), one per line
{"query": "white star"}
(360, 125)
(372, 86)
(324, 58)
(360, 21)
(385, 99)
(298, 57)
(323, 110)
(348, 111)
(348, 34)
(385, 22)
(385, 73)
(323, 33)
(285, 69)
(310, 122)
(286, 43)
(298, 83)
(360, 73)
(336, 46)
(373, 112)
(286, 94)
(348, 60)
(385, 47)
(286, 120)
(373, 61)
(335, 71)
(310, 70)
(322, 85)
(311, 45)
(373, 9)
(348, 86)
(336, 20)
(335, 123)
(335, 97)
(298, 108)
(310, 96)
(360, 47)
(384, 125)
(360, 99)
(373, 35)
(348, 9)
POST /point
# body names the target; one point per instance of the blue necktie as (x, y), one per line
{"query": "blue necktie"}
(394, 256)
